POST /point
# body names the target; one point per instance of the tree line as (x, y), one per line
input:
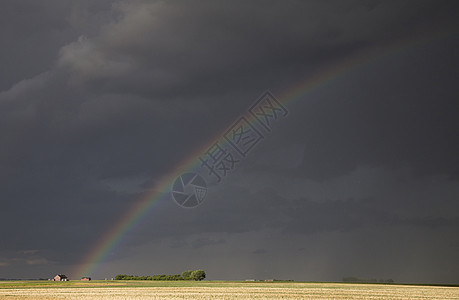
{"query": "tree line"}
(363, 280)
(197, 275)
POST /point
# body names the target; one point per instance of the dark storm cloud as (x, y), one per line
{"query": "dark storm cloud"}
(176, 48)
(33, 32)
(407, 118)
(100, 99)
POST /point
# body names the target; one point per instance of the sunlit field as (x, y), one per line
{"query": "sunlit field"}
(217, 290)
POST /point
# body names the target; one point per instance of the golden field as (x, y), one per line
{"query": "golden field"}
(218, 290)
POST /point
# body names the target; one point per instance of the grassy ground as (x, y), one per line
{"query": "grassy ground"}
(217, 290)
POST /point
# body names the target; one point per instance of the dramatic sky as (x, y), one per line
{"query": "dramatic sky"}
(101, 99)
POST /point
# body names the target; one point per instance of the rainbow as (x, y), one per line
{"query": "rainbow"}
(143, 207)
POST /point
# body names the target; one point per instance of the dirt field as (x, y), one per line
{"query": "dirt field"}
(218, 290)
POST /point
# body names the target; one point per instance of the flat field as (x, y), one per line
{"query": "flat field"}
(217, 290)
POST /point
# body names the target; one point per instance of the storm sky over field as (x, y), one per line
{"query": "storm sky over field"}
(101, 99)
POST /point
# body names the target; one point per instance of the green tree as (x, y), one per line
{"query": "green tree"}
(187, 275)
(198, 275)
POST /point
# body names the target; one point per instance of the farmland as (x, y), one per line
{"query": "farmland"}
(218, 290)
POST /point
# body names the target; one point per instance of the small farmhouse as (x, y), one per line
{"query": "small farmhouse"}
(86, 278)
(60, 277)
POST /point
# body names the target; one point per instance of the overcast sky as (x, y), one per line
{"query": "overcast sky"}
(100, 99)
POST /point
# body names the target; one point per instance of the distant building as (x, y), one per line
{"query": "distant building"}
(86, 278)
(60, 277)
